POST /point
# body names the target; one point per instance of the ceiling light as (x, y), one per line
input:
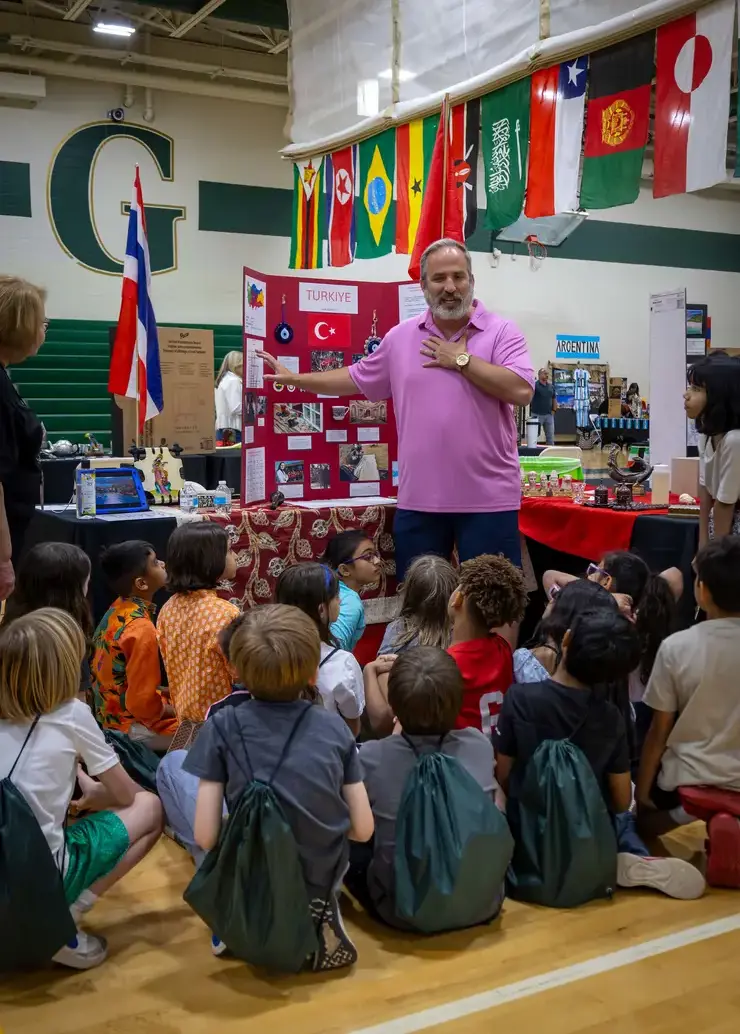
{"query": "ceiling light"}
(404, 75)
(114, 29)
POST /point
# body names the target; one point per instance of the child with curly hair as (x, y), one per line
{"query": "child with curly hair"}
(491, 595)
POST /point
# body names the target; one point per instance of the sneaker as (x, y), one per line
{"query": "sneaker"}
(217, 946)
(671, 876)
(336, 950)
(84, 952)
(723, 851)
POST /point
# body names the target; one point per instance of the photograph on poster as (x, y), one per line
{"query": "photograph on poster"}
(320, 476)
(321, 361)
(696, 320)
(255, 312)
(250, 408)
(394, 473)
(289, 472)
(356, 356)
(363, 462)
(363, 412)
(262, 405)
(297, 418)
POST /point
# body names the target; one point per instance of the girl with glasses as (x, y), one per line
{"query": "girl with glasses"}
(356, 561)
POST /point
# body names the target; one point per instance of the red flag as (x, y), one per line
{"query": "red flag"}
(340, 197)
(329, 330)
(441, 212)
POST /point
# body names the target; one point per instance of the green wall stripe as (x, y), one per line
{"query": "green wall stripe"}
(266, 211)
(15, 189)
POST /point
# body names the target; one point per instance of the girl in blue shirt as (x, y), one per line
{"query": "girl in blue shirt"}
(357, 563)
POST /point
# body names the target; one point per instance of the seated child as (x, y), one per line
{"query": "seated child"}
(198, 558)
(425, 599)
(694, 694)
(44, 730)
(56, 574)
(276, 651)
(599, 643)
(357, 563)
(491, 594)
(125, 667)
(425, 692)
(314, 589)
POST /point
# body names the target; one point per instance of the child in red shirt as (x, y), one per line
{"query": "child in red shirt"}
(491, 595)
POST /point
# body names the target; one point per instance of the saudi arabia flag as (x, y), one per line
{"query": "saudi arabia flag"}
(505, 133)
(376, 227)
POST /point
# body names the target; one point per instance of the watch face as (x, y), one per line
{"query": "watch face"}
(463, 359)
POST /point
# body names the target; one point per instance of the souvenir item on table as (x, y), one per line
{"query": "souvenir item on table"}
(601, 495)
(372, 343)
(532, 482)
(64, 448)
(623, 495)
(93, 447)
(579, 492)
(554, 483)
(636, 472)
(161, 473)
(525, 484)
(567, 484)
(283, 332)
(276, 499)
(544, 483)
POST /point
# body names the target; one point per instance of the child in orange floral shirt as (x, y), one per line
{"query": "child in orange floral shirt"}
(126, 673)
(198, 558)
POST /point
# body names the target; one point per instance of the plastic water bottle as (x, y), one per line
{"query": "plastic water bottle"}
(222, 499)
(85, 485)
(188, 498)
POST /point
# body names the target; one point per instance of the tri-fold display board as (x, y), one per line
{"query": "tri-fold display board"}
(310, 446)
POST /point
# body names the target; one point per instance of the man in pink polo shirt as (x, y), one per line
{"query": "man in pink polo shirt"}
(454, 375)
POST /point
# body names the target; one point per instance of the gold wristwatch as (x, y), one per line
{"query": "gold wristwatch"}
(462, 360)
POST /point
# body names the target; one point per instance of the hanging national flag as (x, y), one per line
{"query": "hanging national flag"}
(692, 99)
(737, 120)
(134, 363)
(377, 162)
(617, 120)
(307, 236)
(464, 136)
(414, 146)
(555, 130)
(505, 132)
(340, 205)
(441, 215)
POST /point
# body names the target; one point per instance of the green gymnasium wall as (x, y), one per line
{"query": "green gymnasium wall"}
(66, 384)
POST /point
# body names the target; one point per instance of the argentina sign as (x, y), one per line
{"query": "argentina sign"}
(577, 346)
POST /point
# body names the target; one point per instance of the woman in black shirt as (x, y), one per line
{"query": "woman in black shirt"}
(22, 331)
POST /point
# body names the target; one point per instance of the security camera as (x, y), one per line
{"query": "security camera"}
(117, 114)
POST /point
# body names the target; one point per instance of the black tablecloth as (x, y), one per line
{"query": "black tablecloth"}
(530, 450)
(207, 468)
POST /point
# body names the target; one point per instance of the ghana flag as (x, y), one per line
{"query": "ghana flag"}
(309, 222)
(375, 227)
(617, 120)
(414, 146)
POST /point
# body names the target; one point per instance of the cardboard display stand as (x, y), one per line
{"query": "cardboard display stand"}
(309, 446)
(188, 417)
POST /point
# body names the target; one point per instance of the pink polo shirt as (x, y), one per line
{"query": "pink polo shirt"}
(457, 446)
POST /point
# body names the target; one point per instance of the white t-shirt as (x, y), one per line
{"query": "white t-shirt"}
(696, 675)
(229, 402)
(340, 682)
(719, 468)
(47, 769)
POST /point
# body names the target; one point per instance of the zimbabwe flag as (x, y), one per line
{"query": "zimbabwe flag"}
(309, 222)
(414, 146)
(617, 120)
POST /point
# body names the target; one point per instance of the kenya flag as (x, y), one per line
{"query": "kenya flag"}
(617, 120)
(464, 137)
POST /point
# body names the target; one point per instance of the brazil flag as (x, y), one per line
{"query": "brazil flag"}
(376, 228)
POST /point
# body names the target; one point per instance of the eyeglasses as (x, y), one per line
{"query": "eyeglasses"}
(45, 325)
(368, 557)
(595, 569)
(554, 592)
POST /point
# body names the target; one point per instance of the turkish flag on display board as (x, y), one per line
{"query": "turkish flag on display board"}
(692, 99)
(329, 330)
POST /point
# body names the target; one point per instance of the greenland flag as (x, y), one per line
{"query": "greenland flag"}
(692, 99)
(557, 104)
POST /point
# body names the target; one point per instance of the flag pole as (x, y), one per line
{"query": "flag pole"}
(445, 155)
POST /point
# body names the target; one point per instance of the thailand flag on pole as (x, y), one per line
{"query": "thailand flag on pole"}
(557, 103)
(134, 364)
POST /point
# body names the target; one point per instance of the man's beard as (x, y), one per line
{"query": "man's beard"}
(442, 311)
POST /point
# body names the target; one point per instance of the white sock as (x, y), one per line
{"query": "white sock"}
(85, 902)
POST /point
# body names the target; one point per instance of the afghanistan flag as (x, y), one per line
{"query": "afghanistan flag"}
(617, 121)
(505, 132)
(309, 223)
(464, 136)
(414, 146)
(375, 228)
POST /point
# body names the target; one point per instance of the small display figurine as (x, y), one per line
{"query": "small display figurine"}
(601, 495)
(623, 495)
(567, 484)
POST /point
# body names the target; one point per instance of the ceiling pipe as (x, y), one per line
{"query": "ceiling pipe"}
(169, 83)
(134, 57)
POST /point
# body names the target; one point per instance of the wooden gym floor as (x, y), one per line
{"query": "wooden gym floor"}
(640, 963)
